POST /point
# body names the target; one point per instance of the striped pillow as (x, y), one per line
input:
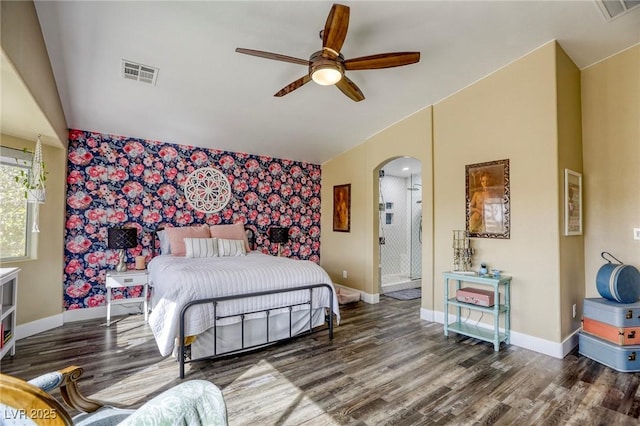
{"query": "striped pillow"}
(231, 247)
(201, 247)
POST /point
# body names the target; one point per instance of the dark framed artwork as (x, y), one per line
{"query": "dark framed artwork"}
(342, 208)
(487, 199)
(573, 202)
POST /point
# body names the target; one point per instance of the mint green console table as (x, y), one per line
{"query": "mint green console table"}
(500, 307)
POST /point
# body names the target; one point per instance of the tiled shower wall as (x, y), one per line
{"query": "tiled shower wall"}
(400, 219)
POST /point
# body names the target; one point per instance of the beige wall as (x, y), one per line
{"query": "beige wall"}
(528, 112)
(510, 114)
(346, 251)
(571, 259)
(40, 281)
(357, 251)
(611, 129)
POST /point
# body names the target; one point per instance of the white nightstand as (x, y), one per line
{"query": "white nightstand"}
(128, 279)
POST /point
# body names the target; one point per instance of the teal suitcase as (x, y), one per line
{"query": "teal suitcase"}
(625, 359)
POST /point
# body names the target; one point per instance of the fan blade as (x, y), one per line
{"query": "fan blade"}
(335, 29)
(275, 56)
(350, 89)
(293, 86)
(382, 60)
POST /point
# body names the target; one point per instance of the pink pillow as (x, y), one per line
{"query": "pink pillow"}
(231, 232)
(177, 236)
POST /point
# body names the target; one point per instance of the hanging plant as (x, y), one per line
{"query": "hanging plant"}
(33, 180)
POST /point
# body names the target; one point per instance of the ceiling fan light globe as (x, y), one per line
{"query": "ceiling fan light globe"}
(326, 76)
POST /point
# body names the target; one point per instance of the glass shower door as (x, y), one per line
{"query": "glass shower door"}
(415, 231)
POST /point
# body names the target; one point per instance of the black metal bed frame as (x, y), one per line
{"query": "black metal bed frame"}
(182, 348)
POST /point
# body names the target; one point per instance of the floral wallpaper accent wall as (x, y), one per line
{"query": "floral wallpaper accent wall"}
(122, 181)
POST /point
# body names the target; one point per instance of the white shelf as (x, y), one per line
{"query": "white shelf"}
(8, 302)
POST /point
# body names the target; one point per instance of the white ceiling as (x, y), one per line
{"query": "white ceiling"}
(210, 96)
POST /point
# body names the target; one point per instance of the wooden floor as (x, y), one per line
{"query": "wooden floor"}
(384, 366)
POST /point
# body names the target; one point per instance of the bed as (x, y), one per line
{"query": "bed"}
(211, 306)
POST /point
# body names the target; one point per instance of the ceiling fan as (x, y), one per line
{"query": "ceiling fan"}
(327, 66)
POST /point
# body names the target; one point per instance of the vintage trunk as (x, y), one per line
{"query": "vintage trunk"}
(620, 358)
(618, 335)
(612, 313)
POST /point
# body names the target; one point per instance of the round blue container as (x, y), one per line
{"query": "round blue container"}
(620, 283)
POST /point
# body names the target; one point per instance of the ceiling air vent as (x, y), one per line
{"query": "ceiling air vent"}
(139, 72)
(612, 9)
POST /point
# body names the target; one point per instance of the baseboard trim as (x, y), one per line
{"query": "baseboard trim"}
(101, 312)
(38, 326)
(44, 324)
(536, 344)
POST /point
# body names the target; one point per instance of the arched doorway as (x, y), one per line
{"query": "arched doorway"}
(400, 225)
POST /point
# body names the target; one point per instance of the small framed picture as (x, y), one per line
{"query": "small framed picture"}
(488, 198)
(572, 202)
(342, 208)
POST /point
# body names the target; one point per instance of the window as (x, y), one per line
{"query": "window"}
(16, 217)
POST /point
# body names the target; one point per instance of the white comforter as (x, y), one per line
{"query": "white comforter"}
(179, 280)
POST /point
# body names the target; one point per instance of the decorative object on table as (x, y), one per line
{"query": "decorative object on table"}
(207, 190)
(342, 208)
(279, 236)
(572, 202)
(122, 238)
(141, 262)
(483, 269)
(488, 212)
(495, 273)
(618, 282)
(462, 251)
(475, 296)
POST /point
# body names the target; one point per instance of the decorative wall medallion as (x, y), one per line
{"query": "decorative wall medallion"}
(207, 190)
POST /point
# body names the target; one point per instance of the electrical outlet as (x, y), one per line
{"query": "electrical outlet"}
(381, 240)
(344, 274)
(636, 233)
(574, 310)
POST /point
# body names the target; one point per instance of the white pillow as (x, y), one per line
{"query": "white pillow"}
(165, 246)
(201, 247)
(231, 247)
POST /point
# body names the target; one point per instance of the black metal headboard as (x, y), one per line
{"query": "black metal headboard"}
(251, 236)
